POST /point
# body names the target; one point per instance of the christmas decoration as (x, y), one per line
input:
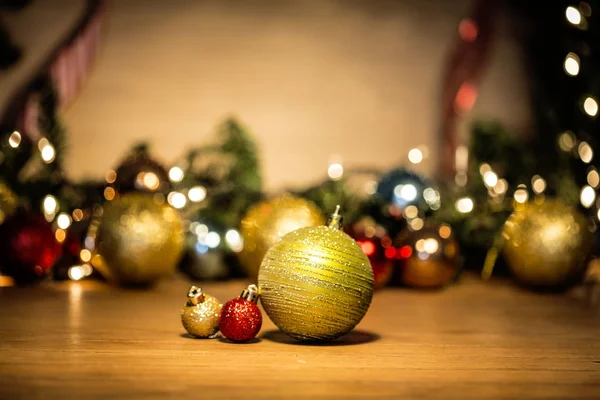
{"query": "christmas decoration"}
(241, 318)
(375, 242)
(266, 222)
(139, 172)
(400, 188)
(430, 256)
(8, 202)
(200, 314)
(547, 245)
(316, 283)
(139, 240)
(28, 248)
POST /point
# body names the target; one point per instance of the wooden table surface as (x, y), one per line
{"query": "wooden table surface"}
(83, 340)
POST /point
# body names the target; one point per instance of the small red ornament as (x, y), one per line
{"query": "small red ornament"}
(28, 248)
(241, 318)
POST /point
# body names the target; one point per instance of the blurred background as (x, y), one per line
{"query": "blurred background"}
(438, 126)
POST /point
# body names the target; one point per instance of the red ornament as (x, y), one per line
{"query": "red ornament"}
(241, 318)
(377, 246)
(28, 248)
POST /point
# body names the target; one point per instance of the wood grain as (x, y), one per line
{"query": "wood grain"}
(87, 340)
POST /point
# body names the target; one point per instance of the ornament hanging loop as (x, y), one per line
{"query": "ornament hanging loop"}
(195, 295)
(335, 220)
(251, 293)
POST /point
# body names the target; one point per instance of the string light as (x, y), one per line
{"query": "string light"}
(464, 205)
(48, 153)
(177, 200)
(431, 245)
(593, 178)
(573, 15)
(587, 196)
(60, 235)
(14, 140)
(483, 168)
(585, 152)
(567, 141)
(417, 224)
(213, 240)
(335, 171)
(77, 214)
(571, 64)
(501, 186)
(75, 273)
(63, 220)
(176, 174)
(50, 205)
(234, 240)
(85, 255)
(197, 194)
(109, 193)
(406, 192)
(445, 231)
(521, 195)
(411, 212)
(151, 181)
(490, 179)
(415, 156)
(538, 184)
(111, 176)
(590, 106)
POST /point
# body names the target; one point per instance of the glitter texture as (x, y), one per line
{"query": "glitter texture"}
(546, 244)
(316, 283)
(201, 320)
(139, 241)
(267, 222)
(240, 320)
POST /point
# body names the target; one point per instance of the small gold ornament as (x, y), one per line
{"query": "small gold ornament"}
(200, 314)
(8, 202)
(267, 222)
(546, 244)
(139, 240)
(430, 257)
(316, 283)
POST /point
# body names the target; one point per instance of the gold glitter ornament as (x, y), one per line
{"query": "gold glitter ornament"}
(139, 240)
(8, 202)
(316, 283)
(267, 222)
(200, 314)
(546, 244)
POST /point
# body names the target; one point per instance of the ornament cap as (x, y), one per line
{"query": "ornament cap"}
(335, 220)
(195, 295)
(251, 293)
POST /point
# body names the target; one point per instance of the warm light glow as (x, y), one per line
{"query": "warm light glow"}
(368, 247)
(60, 235)
(501, 186)
(76, 273)
(77, 214)
(151, 181)
(431, 245)
(598, 214)
(85, 255)
(406, 192)
(415, 156)
(590, 106)
(14, 140)
(176, 199)
(461, 179)
(467, 30)
(420, 245)
(234, 240)
(483, 168)
(593, 178)
(521, 195)
(50, 205)
(567, 141)
(573, 15)
(371, 187)
(585, 152)
(587, 196)
(48, 153)
(111, 176)
(465, 98)
(63, 220)
(109, 193)
(490, 179)
(417, 224)
(411, 212)
(464, 205)
(87, 269)
(197, 194)
(571, 64)
(445, 231)
(538, 184)
(335, 171)
(201, 230)
(213, 240)
(176, 174)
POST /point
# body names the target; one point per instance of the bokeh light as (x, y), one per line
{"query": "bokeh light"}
(14, 140)
(571, 64)
(176, 174)
(197, 194)
(590, 106)
(573, 15)
(464, 205)
(587, 196)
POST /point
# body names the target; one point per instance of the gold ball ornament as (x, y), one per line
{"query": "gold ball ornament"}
(8, 202)
(200, 314)
(139, 240)
(429, 257)
(316, 283)
(547, 244)
(267, 222)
